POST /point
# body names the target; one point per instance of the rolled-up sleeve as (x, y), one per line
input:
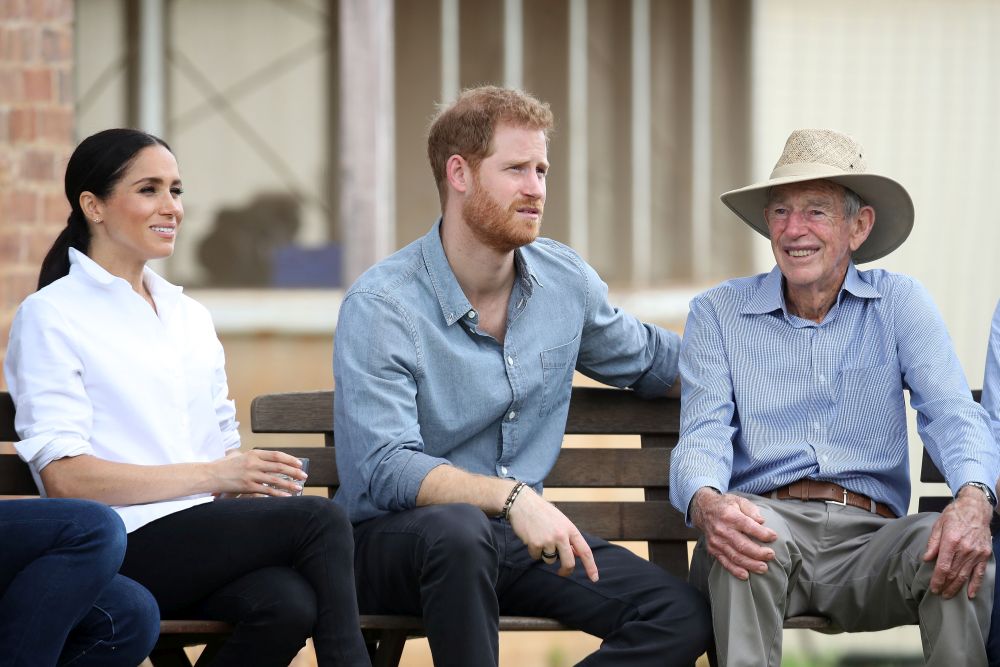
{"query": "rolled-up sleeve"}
(991, 377)
(225, 407)
(54, 415)
(380, 451)
(704, 454)
(955, 430)
(620, 350)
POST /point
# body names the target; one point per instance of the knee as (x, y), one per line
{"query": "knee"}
(787, 558)
(288, 606)
(328, 523)
(459, 530)
(98, 532)
(125, 619)
(137, 621)
(679, 608)
(457, 527)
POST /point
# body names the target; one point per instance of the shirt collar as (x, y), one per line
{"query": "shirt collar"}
(452, 300)
(162, 290)
(769, 295)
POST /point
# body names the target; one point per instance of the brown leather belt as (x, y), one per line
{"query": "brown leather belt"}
(811, 489)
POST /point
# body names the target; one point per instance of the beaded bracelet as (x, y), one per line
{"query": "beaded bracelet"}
(510, 500)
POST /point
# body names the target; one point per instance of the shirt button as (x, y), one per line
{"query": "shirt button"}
(471, 315)
(503, 470)
(815, 426)
(511, 416)
(510, 361)
(822, 378)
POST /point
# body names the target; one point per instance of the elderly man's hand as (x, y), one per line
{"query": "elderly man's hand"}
(960, 541)
(731, 523)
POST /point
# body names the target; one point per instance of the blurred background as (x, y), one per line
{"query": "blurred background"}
(300, 129)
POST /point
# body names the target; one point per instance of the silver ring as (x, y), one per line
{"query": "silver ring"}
(549, 556)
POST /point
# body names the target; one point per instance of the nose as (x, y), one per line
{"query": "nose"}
(171, 205)
(796, 223)
(533, 186)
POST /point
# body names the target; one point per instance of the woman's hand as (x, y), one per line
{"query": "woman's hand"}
(255, 472)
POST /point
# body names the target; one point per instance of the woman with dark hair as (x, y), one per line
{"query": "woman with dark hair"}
(121, 397)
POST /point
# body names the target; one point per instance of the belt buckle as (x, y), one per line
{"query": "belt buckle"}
(842, 503)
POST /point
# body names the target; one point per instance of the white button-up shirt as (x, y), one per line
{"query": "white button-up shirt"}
(93, 369)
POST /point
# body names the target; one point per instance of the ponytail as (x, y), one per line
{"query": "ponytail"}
(76, 234)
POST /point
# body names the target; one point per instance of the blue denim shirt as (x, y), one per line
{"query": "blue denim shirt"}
(769, 398)
(418, 385)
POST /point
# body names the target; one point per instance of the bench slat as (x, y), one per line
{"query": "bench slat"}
(7, 432)
(15, 477)
(641, 520)
(593, 411)
(575, 468)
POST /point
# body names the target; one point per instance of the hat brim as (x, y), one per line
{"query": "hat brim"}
(893, 208)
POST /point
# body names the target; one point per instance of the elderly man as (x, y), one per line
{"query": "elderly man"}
(793, 460)
(454, 361)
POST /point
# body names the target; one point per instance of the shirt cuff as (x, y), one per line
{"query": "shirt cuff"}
(411, 476)
(663, 373)
(42, 450)
(691, 487)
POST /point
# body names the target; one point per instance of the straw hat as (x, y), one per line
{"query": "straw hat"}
(831, 156)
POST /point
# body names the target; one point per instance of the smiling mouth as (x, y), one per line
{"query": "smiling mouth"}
(803, 252)
(164, 230)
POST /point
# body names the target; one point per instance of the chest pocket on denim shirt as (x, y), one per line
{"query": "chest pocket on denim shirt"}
(557, 375)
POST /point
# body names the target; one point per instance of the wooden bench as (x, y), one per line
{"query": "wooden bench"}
(593, 411)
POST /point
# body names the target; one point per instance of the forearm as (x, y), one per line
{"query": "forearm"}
(125, 483)
(448, 484)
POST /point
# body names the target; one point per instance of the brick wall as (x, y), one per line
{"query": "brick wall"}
(36, 138)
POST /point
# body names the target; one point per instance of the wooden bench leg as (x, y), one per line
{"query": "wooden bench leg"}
(169, 657)
(390, 648)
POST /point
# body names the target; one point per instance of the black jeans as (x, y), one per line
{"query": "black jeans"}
(279, 569)
(460, 570)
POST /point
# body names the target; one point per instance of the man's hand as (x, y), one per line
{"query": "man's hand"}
(731, 523)
(543, 528)
(960, 541)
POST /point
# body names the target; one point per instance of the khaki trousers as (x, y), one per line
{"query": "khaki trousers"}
(856, 568)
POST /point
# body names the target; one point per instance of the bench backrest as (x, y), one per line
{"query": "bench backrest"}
(15, 479)
(593, 411)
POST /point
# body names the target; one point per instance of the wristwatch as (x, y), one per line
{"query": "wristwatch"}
(990, 496)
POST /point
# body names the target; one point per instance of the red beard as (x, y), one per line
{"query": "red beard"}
(497, 228)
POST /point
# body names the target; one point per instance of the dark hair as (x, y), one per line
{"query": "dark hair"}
(96, 166)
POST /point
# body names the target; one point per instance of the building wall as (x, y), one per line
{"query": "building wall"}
(36, 137)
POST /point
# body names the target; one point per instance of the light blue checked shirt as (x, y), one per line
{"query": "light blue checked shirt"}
(418, 385)
(991, 380)
(769, 398)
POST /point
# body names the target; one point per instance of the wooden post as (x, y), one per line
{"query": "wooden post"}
(367, 134)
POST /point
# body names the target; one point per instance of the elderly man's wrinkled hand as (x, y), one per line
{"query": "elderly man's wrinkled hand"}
(733, 528)
(960, 541)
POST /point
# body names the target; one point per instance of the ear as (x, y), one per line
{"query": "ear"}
(861, 226)
(92, 207)
(458, 173)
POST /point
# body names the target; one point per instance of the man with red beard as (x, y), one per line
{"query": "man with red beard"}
(454, 361)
